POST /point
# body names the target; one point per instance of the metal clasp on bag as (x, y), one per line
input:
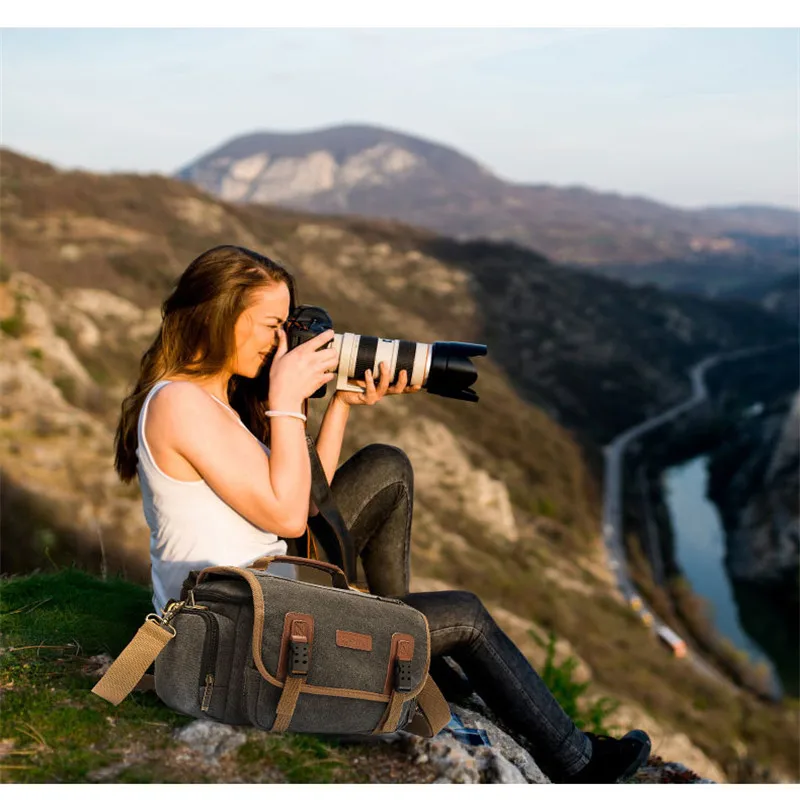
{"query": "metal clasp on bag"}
(402, 676)
(172, 608)
(163, 622)
(298, 655)
(190, 602)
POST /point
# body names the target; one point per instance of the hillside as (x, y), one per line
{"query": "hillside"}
(364, 170)
(88, 258)
(770, 280)
(55, 730)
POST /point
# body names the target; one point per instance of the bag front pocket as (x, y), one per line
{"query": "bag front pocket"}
(215, 662)
(313, 713)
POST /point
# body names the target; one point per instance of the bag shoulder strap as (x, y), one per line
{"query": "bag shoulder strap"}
(329, 527)
(127, 671)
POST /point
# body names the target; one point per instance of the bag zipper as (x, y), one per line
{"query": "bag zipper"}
(210, 595)
(209, 652)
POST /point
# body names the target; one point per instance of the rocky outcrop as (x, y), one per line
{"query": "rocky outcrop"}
(448, 759)
(755, 481)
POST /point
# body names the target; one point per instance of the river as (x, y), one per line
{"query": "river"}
(700, 553)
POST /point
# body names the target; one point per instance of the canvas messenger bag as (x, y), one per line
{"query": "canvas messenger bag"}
(246, 647)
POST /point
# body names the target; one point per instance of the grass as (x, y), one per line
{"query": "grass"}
(68, 388)
(54, 730)
(50, 625)
(13, 325)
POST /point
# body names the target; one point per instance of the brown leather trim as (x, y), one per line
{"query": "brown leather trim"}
(354, 693)
(355, 641)
(434, 706)
(258, 632)
(402, 649)
(391, 716)
(405, 649)
(294, 624)
(287, 703)
(338, 577)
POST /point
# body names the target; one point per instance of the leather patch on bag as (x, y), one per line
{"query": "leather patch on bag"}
(294, 624)
(355, 641)
(405, 649)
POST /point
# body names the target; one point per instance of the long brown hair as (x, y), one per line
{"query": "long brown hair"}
(197, 338)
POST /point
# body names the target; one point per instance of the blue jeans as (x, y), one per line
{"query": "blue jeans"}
(374, 490)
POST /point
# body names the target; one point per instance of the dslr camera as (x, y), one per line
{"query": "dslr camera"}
(442, 368)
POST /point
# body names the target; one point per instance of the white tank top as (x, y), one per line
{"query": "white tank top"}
(192, 527)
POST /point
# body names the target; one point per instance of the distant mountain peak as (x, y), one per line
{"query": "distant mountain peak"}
(378, 172)
(298, 164)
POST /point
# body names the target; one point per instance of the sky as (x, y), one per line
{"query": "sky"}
(689, 117)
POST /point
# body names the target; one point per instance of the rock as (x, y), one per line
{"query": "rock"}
(451, 481)
(754, 481)
(212, 739)
(101, 304)
(199, 213)
(452, 761)
(658, 771)
(97, 666)
(456, 762)
(496, 768)
(503, 745)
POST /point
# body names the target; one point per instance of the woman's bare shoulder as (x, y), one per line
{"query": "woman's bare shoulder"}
(177, 412)
(181, 402)
(179, 392)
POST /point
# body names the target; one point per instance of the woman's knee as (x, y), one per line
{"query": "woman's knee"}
(390, 460)
(471, 609)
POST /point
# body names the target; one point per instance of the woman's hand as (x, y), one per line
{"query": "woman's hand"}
(374, 393)
(296, 374)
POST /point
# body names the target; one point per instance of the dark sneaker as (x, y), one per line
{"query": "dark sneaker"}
(614, 760)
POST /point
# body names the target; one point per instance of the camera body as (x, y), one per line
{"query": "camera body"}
(442, 368)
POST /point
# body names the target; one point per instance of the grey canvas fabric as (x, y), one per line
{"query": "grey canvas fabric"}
(208, 670)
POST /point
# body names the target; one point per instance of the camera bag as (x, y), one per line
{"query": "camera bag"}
(246, 647)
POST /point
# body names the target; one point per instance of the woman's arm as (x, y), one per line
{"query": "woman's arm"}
(269, 492)
(331, 431)
(329, 440)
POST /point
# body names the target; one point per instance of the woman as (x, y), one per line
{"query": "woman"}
(195, 429)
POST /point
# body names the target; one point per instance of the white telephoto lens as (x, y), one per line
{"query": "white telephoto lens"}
(422, 364)
(386, 351)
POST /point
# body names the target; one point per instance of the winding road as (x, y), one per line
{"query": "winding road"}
(614, 454)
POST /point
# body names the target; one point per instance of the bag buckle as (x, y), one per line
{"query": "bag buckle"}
(402, 676)
(298, 655)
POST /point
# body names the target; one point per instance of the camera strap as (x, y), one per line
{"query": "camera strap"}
(328, 526)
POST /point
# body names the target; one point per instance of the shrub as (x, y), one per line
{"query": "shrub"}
(560, 680)
(547, 508)
(13, 325)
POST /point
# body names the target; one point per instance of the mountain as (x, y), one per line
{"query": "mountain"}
(772, 282)
(363, 170)
(506, 490)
